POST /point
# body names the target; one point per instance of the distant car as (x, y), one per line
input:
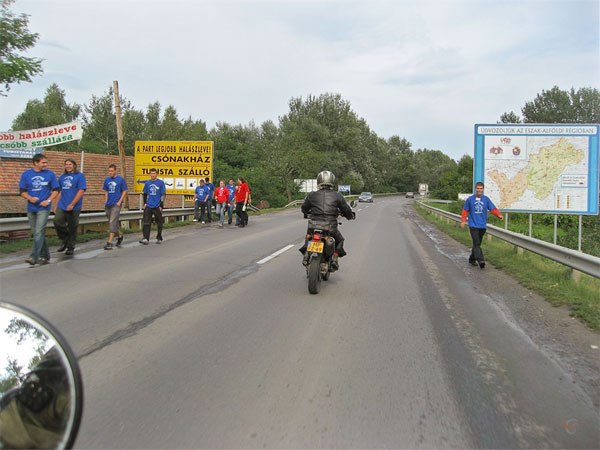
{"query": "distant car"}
(410, 195)
(365, 197)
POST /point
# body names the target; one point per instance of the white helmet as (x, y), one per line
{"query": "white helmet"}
(326, 178)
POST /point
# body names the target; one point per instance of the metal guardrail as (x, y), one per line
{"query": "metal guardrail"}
(571, 258)
(21, 223)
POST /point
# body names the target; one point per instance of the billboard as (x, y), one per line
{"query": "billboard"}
(26, 143)
(180, 164)
(545, 168)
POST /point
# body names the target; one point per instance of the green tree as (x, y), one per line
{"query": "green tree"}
(15, 38)
(53, 110)
(558, 106)
(510, 117)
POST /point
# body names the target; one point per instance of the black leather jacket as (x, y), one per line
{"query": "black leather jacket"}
(327, 204)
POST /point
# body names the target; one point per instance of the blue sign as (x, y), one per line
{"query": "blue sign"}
(344, 188)
(544, 168)
(19, 152)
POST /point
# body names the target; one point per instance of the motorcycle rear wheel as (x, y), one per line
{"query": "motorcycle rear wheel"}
(314, 275)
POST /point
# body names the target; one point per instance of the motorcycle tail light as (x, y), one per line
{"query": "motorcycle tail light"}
(316, 237)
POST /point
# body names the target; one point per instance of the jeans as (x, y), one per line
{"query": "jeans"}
(147, 221)
(230, 212)
(221, 212)
(37, 223)
(476, 252)
(65, 223)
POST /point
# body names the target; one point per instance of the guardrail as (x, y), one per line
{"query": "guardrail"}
(571, 258)
(22, 223)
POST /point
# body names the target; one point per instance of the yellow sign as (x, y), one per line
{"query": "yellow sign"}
(180, 164)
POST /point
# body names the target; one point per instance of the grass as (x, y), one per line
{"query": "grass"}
(551, 280)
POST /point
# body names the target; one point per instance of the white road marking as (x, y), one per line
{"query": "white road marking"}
(277, 253)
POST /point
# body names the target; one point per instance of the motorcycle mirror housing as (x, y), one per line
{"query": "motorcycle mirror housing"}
(353, 203)
(41, 392)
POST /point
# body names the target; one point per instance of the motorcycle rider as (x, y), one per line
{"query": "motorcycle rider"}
(326, 204)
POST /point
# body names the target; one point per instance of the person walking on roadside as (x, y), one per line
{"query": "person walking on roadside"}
(115, 190)
(222, 197)
(154, 193)
(202, 197)
(231, 188)
(39, 187)
(72, 184)
(211, 188)
(475, 209)
(241, 199)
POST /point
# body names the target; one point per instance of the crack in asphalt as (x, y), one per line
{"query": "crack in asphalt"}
(134, 327)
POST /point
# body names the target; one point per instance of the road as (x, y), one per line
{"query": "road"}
(194, 344)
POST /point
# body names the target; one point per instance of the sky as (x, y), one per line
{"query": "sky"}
(425, 70)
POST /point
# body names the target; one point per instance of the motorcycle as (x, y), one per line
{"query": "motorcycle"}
(319, 252)
(41, 392)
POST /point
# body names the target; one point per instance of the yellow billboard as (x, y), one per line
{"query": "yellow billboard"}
(180, 164)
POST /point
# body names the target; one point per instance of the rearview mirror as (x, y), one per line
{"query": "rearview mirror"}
(41, 394)
(353, 203)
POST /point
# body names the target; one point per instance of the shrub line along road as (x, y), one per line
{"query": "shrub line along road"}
(194, 344)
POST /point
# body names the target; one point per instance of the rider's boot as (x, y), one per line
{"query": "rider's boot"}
(334, 262)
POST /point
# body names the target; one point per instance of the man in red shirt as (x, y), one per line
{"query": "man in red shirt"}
(242, 194)
(222, 197)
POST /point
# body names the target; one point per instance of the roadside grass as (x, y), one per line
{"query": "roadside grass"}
(551, 280)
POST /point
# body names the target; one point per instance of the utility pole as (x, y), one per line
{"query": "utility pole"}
(120, 138)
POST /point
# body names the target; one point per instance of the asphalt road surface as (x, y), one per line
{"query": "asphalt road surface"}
(211, 340)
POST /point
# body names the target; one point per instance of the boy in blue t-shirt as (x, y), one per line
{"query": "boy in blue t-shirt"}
(72, 185)
(39, 187)
(201, 200)
(231, 188)
(476, 208)
(154, 196)
(115, 190)
(211, 187)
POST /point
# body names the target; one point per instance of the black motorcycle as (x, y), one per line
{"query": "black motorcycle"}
(319, 252)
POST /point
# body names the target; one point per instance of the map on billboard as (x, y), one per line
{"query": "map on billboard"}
(539, 168)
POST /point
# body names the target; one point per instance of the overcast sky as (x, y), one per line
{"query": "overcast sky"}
(426, 70)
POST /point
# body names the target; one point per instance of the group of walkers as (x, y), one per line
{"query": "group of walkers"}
(63, 196)
(226, 197)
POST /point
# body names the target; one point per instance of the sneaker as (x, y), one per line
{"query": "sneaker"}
(70, 251)
(203, 221)
(144, 241)
(220, 225)
(30, 261)
(44, 261)
(62, 248)
(472, 262)
(195, 220)
(108, 246)
(159, 240)
(119, 240)
(229, 222)
(481, 264)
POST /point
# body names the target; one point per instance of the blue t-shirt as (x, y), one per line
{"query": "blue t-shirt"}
(70, 184)
(231, 192)
(201, 192)
(115, 187)
(38, 184)
(155, 190)
(478, 209)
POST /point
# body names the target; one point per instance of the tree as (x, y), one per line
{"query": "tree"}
(558, 106)
(14, 38)
(510, 117)
(53, 110)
